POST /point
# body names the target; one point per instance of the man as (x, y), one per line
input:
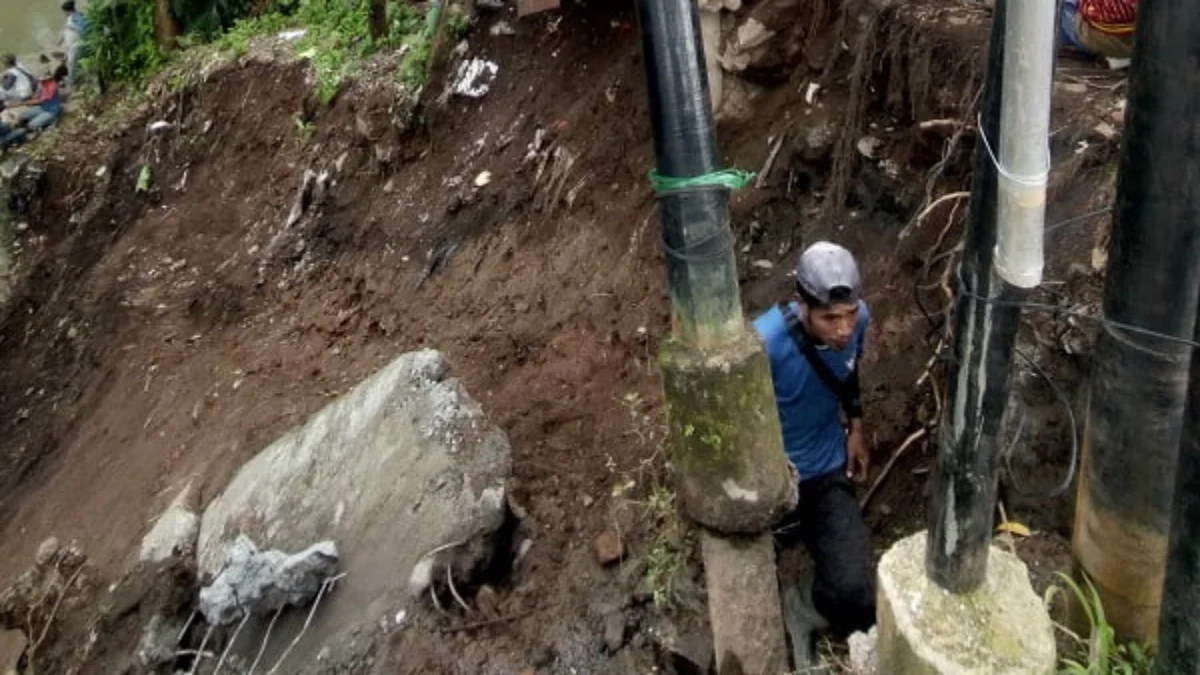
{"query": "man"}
(19, 88)
(72, 38)
(1099, 27)
(815, 343)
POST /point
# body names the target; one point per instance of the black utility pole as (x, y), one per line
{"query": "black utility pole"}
(701, 268)
(986, 319)
(731, 474)
(1139, 382)
(1179, 629)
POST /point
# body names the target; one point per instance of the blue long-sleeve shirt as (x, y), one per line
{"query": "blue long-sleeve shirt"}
(813, 435)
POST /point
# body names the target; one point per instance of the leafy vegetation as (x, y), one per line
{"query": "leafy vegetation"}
(337, 37)
(121, 43)
(669, 553)
(1100, 653)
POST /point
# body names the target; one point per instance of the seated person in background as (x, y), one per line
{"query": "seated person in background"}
(35, 113)
(1099, 27)
(17, 84)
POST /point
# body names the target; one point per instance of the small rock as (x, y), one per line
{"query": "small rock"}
(614, 630)
(751, 34)
(868, 146)
(474, 78)
(1071, 87)
(47, 551)
(502, 28)
(487, 602)
(862, 652)
(174, 533)
(158, 643)
(1106, 130)
(609, 548)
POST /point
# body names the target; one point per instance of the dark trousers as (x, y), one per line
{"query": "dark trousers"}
(830, 524)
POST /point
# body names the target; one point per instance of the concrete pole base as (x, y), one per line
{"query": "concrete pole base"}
(743, 605)
(1001, 628)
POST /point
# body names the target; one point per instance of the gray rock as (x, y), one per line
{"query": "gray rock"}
(405, 472)
(174, 533)
(260, 583)
(614, 630)
(862, 652)
(47, 551)
(159, 642)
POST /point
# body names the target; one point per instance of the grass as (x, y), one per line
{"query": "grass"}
(337, 39)
(1100, 653)
(670, 550)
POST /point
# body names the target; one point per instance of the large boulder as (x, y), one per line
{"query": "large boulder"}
(404, 472)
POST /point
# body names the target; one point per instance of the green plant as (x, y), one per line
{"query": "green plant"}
(458, 26)
(120, 44)
(237, 38)
(1101, 653)
(670, 550)
(304, 129)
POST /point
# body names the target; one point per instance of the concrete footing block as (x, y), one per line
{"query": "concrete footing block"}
(744, 607)
(1000, 629)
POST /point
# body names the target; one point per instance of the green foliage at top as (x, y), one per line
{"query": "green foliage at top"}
(206, 20)
(1100, 653)
(120, 44)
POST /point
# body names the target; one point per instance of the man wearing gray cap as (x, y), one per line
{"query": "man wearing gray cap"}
(815, 342)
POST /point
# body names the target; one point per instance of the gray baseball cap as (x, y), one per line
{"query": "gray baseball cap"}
(828, 274)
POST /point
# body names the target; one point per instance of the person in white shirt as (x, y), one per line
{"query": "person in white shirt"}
(21, 88)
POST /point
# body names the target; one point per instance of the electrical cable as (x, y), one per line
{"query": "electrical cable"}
(1073, 463)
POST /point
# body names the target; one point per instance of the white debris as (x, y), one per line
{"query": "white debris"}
(260, 583)
(483, 178)
(502, 28)
(293, 35)
(868, 146)
(474, 78)
(160, 125)
(763, 264)
(810, 92)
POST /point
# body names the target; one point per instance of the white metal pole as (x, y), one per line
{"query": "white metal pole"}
(1024, 152)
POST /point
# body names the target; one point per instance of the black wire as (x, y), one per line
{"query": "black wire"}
(1078, 219)
(724, 233)
(1072, 466)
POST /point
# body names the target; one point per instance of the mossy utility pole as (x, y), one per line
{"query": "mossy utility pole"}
(1139, 382)
(731, 474)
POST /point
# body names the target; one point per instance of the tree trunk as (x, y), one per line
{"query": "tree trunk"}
(166, 28)
(379, 22)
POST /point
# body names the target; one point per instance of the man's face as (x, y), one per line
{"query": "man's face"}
(833, 325)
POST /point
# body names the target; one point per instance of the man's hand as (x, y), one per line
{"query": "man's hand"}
(858, 460)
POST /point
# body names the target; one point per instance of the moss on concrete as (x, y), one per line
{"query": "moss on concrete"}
(726, 446)
(1002, 628)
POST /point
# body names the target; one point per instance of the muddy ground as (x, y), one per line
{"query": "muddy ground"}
(160, 338)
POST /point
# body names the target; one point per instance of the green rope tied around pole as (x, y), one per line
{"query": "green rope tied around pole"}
(731, 179)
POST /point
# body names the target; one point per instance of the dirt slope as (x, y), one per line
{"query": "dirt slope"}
(164, 338)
